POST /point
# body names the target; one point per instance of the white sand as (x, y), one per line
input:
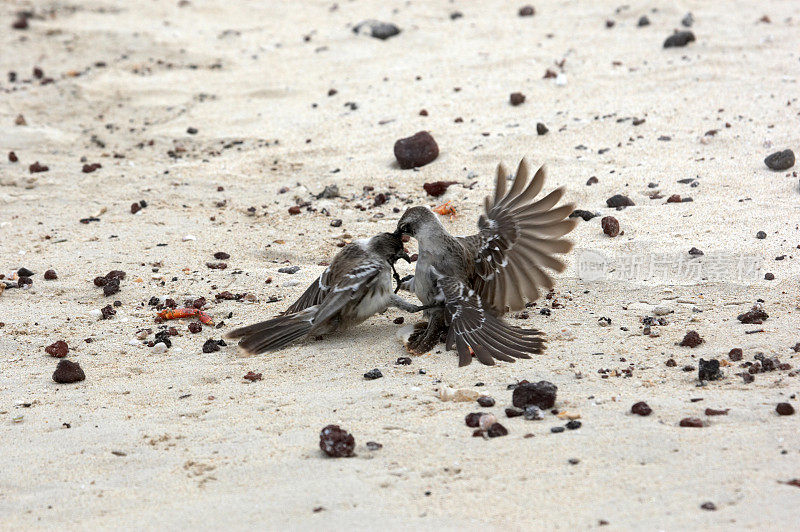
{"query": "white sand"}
(233, 454)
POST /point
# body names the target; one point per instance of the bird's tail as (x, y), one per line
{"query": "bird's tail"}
(275, 333)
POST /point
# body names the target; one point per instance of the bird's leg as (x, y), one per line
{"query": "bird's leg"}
(398, 302)
(427, 339)
(406, 283)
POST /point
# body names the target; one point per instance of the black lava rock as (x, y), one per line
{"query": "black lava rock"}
(541, 394)
(210, 346)
(643, 21)
(784, 409)
(416, 150)
(780, 160)
(67, 372)
(584, 215)
(641, 409)
(497, 430)
(708, 370)
(618, 200)
(486, 401)
(373, 374)
(680, 38)
(375, 28)
(336, 442)
(24, 272)
(541, 129)
(574, 424)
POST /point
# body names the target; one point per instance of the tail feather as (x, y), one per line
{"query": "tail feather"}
(273, 334)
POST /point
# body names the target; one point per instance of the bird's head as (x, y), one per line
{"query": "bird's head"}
(415, 220)
(389, 246)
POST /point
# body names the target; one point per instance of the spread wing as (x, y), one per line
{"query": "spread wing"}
(474, 329)
(313, 295)
(519, 239)
(352, 286)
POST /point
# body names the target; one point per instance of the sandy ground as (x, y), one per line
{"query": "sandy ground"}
(179, 439)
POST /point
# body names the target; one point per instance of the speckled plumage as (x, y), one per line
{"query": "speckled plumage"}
(478, 277)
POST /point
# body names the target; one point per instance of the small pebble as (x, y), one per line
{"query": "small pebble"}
(336, 442)
(541, 129)
(58, 349)
(377, 29)
(618, 200)
(641, 409)
(756, 315)
(191, 130)
(374, 446)
(516, 98)
(541, 394)
(761, 235)
(473, 419)
(294, 210)
(691, 422)
(533, 413)
(780, 160)
(610, 226)
(692, 339)
(715, 412)
(50, 275)
(291, 270)
(195, 327)
(486, 401)
(687, 20)
(403, 361)
(373, 374)
(12, 157)
(416, 150)
(210, 346)
(513, 411)
(556, 430)
(67, 372)
(643, 21)
(36, 168)
(678, 39)
(735, 354)
(574, 424)
(784, 409)
(710, 506)
(252, 376)
(526, 11)
(497, 430)
(437, 188)
(708, 370)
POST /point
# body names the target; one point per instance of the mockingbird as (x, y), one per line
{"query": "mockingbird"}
(477, 278)
(356, 285)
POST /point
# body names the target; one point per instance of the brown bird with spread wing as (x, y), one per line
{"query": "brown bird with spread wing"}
(470, 281)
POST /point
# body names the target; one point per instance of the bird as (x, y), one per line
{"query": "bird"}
(470, 281)
(356, 285)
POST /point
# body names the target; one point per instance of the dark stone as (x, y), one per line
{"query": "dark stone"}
(710, 506)
(715, 412)
(691, 339)
(516, 98)
(691, 422)
(556, 430)
(336, 442)
(541, 129)
(513, 411)
(403, 361)
(210, 346)
(497, 430)
(486, 401)
(574, 424)
(780, 160)
(473, 419)
(373, 374)
(641, 409)
(111, 287)
(784, 409)
(195, 327)
(221, 255)
(584, 215)
(67, 372)
(437, 188)
(708, 370)
(374, 446)
(191, 130)
(643, 21)
(735, 354)
(678, 39)
(416, 150)
(107, 312)
(541, 394)
(291, 270)
(618, 200)
(769, 276)
(50, 275)
(687, 20)
(24, 272)
(526, 11)
(336, 223)
(756, 315)
(533, 413)
(695, 252)
(375, 28)
(57, 349)
(610, 226)
(761, 235)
